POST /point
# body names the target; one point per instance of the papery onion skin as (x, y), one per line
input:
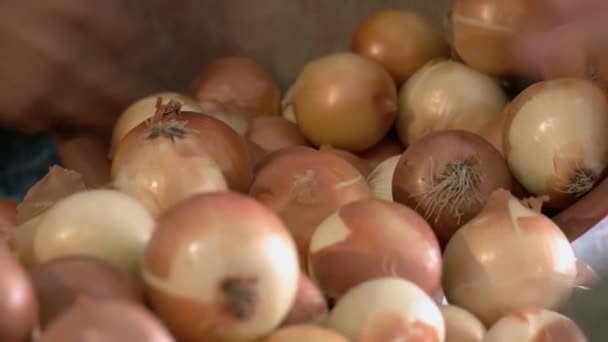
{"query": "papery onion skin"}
(227, 262)
(273, 133)
(115, 320)
(371, 239)
(241, 82)
(447, 177)
(446, 94)
(304, 186)
(461, 325)
(304, 333)
(61, 281)
(380, 180)
(402, 41)
(555, 139)
(344, 100)
(387, 309)
(533, 325)
(507, 257)
(309, 306)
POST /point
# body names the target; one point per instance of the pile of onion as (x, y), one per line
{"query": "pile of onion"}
(555, 139)
(508, 257)
(447, 176)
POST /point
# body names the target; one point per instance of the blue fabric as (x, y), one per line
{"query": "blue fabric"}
(24, 159)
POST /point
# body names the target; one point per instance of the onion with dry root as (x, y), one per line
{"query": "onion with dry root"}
(447, 177)
(446, 94)
(220, 266)
(371, 239)
(344, 100)
(304, 186)
(309, 306)
(555, 139)
(381, 178)
(273, 133)
(533, 325)
(240, 82)
(508, 257)
(461, 325)
(304, 333)
(103, 223)
(387, 309)
(402, 41)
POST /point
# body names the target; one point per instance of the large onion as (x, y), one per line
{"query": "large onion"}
(221, 267)
(555, 139)
(447, 95)
(343, 100)
(402, 41)
(506, 258)
(447, 177)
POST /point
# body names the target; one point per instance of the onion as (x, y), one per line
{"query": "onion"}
(103, 223)
(228, 114)
(563, 53)
(343, 100)
(381, 178)
(242, 83)
(61, 281)
(447, 95)
(371, 239)
(447, 177)
(402, 41)
(493, 130)
(535, 324)
(507, 257)
(353, 159)
(488, 34)
(388, 147)
(143, 109)
(555, 139)
(387, 309)
(461, 325)
(304, 333)
(309, 306)
(221, 267)
(273, 133)
(304, 186)
(96, 319)
(18, 305)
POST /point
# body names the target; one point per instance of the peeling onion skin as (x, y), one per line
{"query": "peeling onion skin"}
(18, 304)
(371, 239)
(446, 94)
(447, 177)
(535, 325)
(240, 82)
(387, 309)
(566, 120)
(508, 257)
(236, 276)
(116, 320)
(381, 179)
(402, 41)
(344, 100)
(61, 281)
(461, 325)
(309, 306)
(304, 333)
(103, 223)
(273, 133)
(304, 186)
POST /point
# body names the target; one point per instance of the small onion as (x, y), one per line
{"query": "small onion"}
(61, 281)
(220, 266)
(143, 109)
(402, 41)
(371, 239)
(273, 133)
(18, 305)
(304, 186)
(447, 177)
(507, 257)
(447, 95)
(387, 309)
(381, 178)
(309, 306)
(344, 100)
(304, 333)
(555, 139)
(461, 325)
(240, 82)
(353, 159)
(103, 223)
(96, 319)
(534, 325)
